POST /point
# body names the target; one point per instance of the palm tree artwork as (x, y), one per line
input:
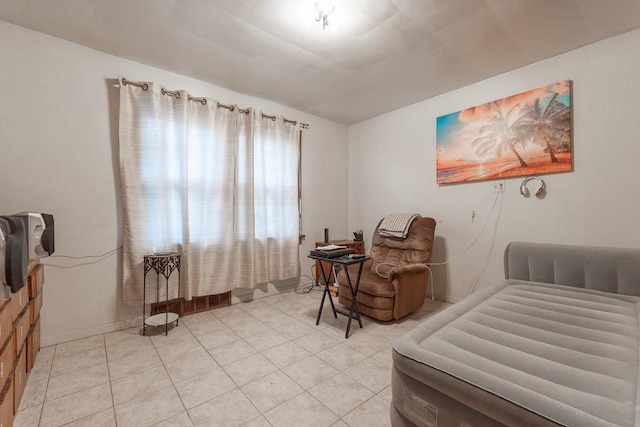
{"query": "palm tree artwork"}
(547, 123)
(499, 136)
(524, 134)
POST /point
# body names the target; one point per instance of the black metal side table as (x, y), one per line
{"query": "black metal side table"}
(353, 312)
(163, 263)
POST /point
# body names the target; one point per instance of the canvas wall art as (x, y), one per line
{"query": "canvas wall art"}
(525, 134)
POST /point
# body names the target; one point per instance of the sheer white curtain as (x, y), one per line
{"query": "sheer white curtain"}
(217, 184)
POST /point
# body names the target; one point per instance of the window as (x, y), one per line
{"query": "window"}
(220, 185)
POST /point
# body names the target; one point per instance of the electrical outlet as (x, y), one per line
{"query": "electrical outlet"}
(498, 188)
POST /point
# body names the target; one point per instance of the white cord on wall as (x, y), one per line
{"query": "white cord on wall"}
(474, 282)
(475, 240)
(492, 244)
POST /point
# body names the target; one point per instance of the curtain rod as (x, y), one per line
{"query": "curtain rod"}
(293, 122)
(203, 101)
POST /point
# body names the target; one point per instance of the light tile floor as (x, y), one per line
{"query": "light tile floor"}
(261, 363)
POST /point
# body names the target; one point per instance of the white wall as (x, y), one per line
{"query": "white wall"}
(392, 168)
(59, 154)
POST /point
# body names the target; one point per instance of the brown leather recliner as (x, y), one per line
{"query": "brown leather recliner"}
(399, 285)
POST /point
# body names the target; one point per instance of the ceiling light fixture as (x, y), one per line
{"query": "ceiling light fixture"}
(324, 9)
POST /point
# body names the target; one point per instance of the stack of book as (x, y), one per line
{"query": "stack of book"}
(331, 251)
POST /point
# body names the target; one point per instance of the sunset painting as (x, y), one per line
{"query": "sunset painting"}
(524, 134)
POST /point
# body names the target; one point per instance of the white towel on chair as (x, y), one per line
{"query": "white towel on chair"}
(396, 225)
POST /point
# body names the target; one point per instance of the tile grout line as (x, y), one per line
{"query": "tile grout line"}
(106, 355)
(46, 389)
(173, 384)
(292, 308)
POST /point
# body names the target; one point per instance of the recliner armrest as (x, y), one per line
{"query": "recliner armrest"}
(406, 269)
(410, 288)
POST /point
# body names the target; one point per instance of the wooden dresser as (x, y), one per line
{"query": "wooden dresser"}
(356, 245)
(19, 341)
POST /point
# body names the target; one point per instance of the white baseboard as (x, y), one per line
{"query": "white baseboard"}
(89, 332)
(446, 298)
(237, 296)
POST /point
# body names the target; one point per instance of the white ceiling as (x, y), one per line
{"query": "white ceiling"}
(386, 54)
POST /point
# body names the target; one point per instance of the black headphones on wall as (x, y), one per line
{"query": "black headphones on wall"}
(540, 192)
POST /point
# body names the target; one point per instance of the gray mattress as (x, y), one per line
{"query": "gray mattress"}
(522, 353)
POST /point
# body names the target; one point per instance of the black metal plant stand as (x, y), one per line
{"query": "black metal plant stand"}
(163, 264)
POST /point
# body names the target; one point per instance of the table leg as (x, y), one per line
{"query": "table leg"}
(325, 292)
(354, 305)
(144, 304)
(326, 287)
(178, 299)
(166, 308)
